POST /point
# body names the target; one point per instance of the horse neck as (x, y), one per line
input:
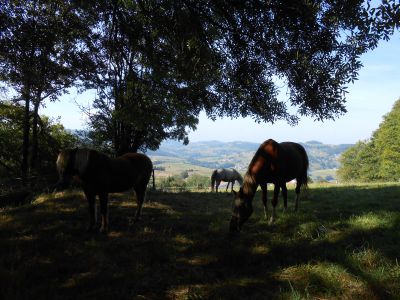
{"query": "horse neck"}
(249, 185)
(238, 177)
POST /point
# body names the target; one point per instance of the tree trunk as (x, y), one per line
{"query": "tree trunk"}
(34, 153)
(25, 142)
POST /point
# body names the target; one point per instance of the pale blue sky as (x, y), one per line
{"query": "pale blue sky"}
(368, 100)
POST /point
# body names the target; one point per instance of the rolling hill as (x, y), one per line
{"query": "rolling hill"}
(172, 157)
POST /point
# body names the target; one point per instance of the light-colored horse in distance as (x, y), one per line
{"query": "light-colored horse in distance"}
(227, 175)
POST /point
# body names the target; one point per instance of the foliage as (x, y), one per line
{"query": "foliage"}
(377, 159)
(178, 183)
(42, 53)
(168, 60)
(10, 137)
(342, 244)
(184, 174)
(52, 137)
(171, 182)
(198, 181)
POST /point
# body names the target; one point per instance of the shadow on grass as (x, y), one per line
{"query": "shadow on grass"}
(181, 249)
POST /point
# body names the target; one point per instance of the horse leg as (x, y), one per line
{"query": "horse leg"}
(139, 200)
(274, 202)
(227, 186)
(91, 197)
(104, 212)
(232, 184)
(217, 185)
(298, 185)
(264, 188)
(284, 193)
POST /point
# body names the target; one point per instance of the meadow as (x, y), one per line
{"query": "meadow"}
(342, 244)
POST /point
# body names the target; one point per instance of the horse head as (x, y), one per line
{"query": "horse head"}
(70, 164)
(241, 210)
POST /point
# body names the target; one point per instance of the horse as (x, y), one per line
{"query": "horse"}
(275, 163)
(101, 175)
(227, 175)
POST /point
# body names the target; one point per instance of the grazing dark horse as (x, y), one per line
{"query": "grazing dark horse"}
(275, 163)
(227, 175)
(101, 175)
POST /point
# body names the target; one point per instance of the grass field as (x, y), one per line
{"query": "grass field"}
(344, 243)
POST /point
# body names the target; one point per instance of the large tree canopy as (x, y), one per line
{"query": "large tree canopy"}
(168, 60)
(160, 63)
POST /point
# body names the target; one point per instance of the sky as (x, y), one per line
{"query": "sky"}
(369, 99)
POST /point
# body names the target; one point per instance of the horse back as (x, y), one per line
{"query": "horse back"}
(293, 160)
(279, 162)
(118, 174)
(131, 168)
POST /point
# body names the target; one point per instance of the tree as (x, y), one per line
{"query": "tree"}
(52, 137)
(169, 60)
(143, 93)
(198, 181)
(42, 51)
(377, 159)
(10, 138)
(386, 140)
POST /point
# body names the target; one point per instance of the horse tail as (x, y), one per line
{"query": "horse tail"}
(304, 175)
(213, 175)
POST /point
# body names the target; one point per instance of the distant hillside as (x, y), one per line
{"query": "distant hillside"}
(173, 157)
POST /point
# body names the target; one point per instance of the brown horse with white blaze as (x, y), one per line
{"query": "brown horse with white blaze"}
(275, 163)
(101, 175)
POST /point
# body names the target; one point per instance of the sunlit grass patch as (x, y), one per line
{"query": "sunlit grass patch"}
(372, 220)
(260, 249)
(312, 230)
(369, 259)
(182, 242)
(238, 288)
(201, 260)
(323, 280)
(378, 268)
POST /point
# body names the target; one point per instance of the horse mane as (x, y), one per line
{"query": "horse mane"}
(81, 160)
(266, 150)
(249, 185)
